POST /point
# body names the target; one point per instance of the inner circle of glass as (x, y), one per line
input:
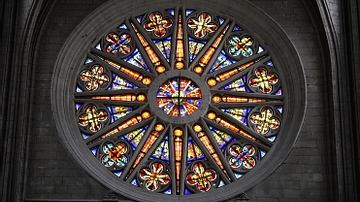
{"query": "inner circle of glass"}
(178, 102)
(179, 97)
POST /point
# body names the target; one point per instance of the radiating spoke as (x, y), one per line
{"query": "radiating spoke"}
(135, 117)
(89, 94)
(202, 139)
(233, 99)
(216, 107)
(209, 51)
(147, 147)
(134, 74)
(248, 95)
(240, 65)
(156, 58)
(229, 123)
(230, 74)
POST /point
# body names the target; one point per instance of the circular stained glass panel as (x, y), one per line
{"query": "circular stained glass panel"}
(179, 97)
(178, 102)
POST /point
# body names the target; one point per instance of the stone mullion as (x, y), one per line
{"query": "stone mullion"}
(329, 39)
(18, 90)
(351, 40)
(7, 134)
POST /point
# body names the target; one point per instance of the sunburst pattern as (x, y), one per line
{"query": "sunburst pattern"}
(204, 126)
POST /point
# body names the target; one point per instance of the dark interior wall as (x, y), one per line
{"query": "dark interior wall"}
(53, 174)
(303, 176)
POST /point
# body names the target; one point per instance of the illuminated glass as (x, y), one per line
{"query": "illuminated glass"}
(178, 101)
(179, 97)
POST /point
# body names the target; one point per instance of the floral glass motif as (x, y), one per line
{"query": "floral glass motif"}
(154, 176)
(196, 75)
(242, 156)
(93, 118)
(201, 177)
(263, 80)
(265, 121)
(114, 155)
(157, 24)
(179, 97)
(202, 25)
(94, 77)
(118, 44)
(241, 46)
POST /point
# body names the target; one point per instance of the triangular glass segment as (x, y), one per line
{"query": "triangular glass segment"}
(221, 20)
(237, 28)
(188, 12)
(194, 152)
(239, 114)
(135, 136)
(162, 151)
(187, 192)
(272, 138)
(121, 83)
(280, 109)
(221, 61)
(237, 175)
(78, 89)
(116, 112)
(77, 106)
(138, 60)
(98, 46)
(134, 182)
(262, 153)
(237, 85)
(85, 136)
(171, 12)
(94, 150)
(279, 92)
(88, 60)
(139, 19)
(221, 183)
(118, 173)
(164, 46)
(269, 63)
(167, 191)
(195, 47)
(260, 49)
(123, 26)
(221, 138)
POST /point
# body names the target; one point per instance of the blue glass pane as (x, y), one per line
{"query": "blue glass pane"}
(194, 152)
(221, 138)
(121, 83)
(94, 150)
(189, 11)
(135, 136)
(118, 173)
(239, 114)
(116, 112)
(138, 60)
(162, 151)
(123, 26)
(221, 61)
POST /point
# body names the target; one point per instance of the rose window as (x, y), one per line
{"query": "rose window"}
(177, 102)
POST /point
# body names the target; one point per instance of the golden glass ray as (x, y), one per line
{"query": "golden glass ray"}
(155, 60)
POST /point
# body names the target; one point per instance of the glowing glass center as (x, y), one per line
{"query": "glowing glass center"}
(179, 97)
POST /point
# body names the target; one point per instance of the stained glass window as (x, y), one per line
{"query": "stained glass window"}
(182, 55)
(178, 102)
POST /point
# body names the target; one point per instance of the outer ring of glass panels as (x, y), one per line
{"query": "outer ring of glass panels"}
(111, 14)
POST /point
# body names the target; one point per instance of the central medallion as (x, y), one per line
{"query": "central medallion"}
(179, 97)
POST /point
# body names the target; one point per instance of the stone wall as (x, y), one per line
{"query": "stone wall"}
(54, 175)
